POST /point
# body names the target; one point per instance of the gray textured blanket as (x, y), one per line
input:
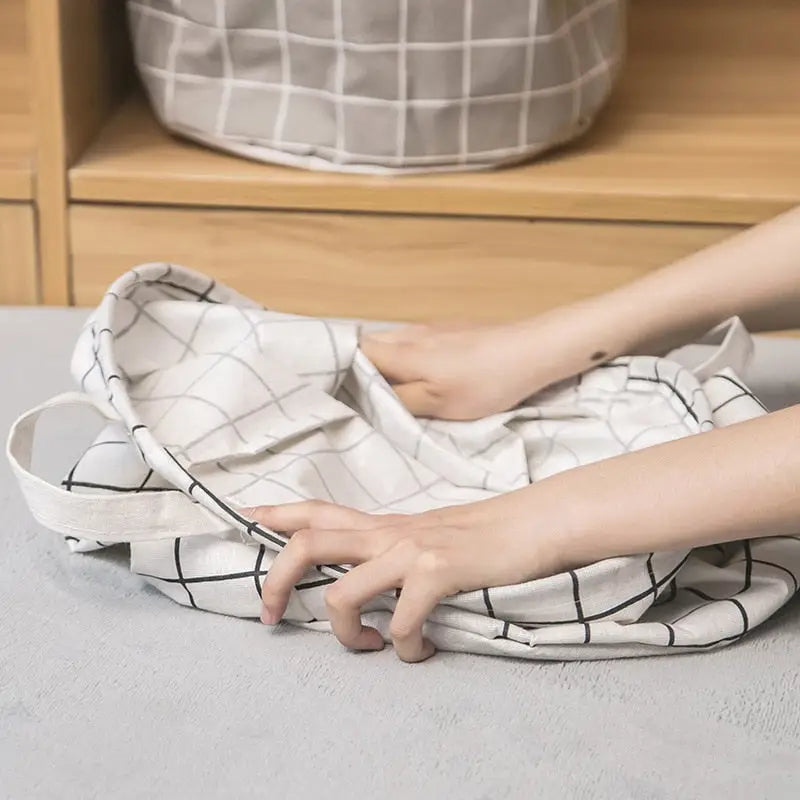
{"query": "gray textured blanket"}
(108, 689)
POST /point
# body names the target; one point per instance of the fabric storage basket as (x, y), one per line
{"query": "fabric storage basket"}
(379, 86)
(214, 404)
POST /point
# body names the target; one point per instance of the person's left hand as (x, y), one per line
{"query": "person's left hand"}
(429, 556)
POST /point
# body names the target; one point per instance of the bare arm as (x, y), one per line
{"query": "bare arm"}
(736, 482)
(731, 483)
(755, 274)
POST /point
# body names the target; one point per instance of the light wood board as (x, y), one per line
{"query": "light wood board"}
(18, 279)
(16, 125)
(389, 267)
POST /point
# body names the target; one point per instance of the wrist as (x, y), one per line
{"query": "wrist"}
(573, 534)
(571, 339)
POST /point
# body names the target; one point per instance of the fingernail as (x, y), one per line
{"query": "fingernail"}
(371, 639)
(380, 336)
(268, 617)
(428, 649)
(249, 511)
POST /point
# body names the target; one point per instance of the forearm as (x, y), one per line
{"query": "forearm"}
(754, 274)
(732, 483)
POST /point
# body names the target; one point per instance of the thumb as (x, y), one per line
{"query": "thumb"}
(418, 398)
(396, 360)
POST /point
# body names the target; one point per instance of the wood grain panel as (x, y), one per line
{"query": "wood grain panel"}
(377, 266)
(97, 67)
(51, 158)
(18, 279)
(16, 125)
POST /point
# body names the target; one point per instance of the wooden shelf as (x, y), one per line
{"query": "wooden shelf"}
(16, 125)
(705, 127)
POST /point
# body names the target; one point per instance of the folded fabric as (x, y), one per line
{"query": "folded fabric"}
(214, 404)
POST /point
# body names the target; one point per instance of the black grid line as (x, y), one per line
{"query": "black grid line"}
(250, 574)
(748, 571)
(576, 596)
(179, 570)
(257, 571)
(68, 483)
(709, 598)
(594, 401)
(488, 602)
(743, 389)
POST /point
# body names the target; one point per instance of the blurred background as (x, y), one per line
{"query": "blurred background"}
(700, 136)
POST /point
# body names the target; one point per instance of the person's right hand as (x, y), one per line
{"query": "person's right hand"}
(463, 371)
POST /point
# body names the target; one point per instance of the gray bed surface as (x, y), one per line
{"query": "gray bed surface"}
(108, 689)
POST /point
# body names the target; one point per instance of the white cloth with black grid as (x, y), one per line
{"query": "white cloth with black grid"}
(379, 86)
(214, 403)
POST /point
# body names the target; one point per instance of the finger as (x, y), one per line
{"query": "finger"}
(418, 398)
(397, 361)
(305, 549)
(308, 514)
(345, 598)
(315, 514)
(421, 593)
(399, 333)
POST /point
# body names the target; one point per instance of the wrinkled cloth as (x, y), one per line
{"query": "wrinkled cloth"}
(235, 406)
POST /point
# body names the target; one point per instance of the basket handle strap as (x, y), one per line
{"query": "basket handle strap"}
(106, 517)
(733, 349)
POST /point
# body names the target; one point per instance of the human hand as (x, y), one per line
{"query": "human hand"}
(466, 371)
(463, 371)
(430, 556)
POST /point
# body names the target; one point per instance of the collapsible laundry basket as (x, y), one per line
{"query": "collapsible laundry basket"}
(214, 404)
(379, 86)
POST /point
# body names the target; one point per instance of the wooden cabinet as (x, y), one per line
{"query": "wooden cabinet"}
(701, 138)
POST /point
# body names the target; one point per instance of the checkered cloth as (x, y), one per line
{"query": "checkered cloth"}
(379, 86)
(215, 404)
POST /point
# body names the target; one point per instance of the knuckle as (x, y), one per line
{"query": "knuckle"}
(431, 562)
(336, 598)
(405, 548)
(301, 544)
(400, 630)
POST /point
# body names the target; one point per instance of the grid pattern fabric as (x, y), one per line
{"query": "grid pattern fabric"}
(381, 86)
(224, 405)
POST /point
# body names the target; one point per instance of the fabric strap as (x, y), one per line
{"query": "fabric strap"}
(110, 518)
(733, 349)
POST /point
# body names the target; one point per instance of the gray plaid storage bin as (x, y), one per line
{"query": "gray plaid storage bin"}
(379, 85)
